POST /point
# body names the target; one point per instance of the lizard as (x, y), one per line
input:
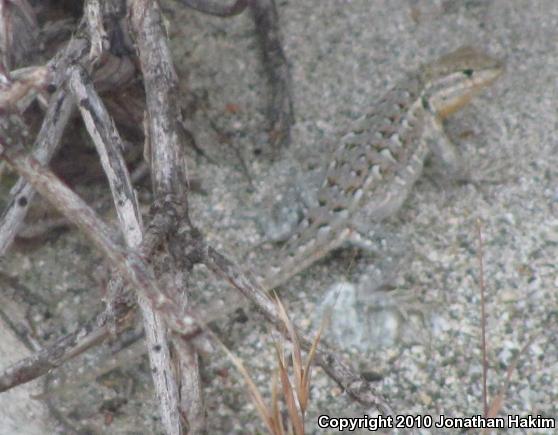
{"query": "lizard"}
(376, 164)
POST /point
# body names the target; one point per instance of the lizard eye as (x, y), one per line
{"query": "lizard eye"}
(468, 72)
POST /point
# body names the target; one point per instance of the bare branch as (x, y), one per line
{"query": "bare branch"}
(211, 7)
(48, 140)
(161, 89)
(64, 199)
(164, 378)
(281, 111)
(108, 143)
(99, 38)
(18, 33)
(47, 143)
(56, 354)
(168, 173)
(191, 394)
(266, 21)
(19, 90)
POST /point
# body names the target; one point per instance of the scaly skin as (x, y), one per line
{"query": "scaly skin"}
(376, 165)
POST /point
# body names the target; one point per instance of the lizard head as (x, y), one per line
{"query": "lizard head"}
(451, 81)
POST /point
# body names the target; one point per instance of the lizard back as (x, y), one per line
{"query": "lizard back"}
(372, 161)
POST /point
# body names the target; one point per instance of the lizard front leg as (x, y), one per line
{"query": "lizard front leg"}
(444, 149)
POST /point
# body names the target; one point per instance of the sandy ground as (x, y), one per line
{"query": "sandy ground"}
(421, 339)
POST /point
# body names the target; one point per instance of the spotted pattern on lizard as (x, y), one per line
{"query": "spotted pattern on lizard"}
(378, 162)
